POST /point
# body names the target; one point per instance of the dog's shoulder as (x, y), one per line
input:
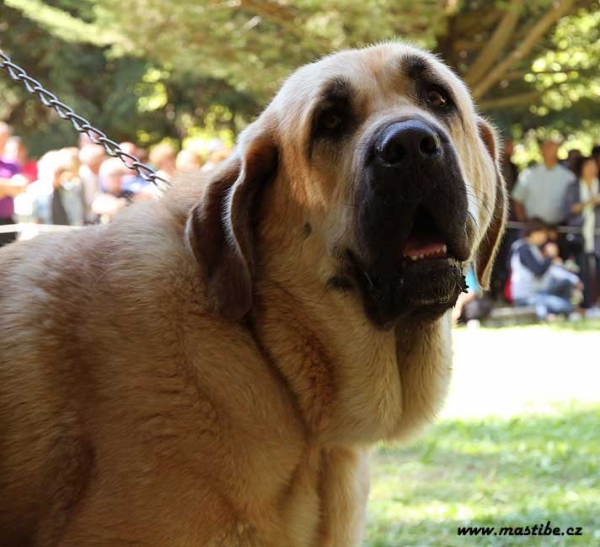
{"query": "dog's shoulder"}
(62, 276)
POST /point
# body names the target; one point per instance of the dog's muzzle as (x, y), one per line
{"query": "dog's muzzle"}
(411, 222)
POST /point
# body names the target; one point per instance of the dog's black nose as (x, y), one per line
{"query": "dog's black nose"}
(408, 141)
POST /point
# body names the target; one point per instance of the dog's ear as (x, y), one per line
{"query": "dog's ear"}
(219, 227)
(490, 242)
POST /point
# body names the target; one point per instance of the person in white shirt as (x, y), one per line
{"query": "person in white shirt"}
(56, 196)
(540, 190)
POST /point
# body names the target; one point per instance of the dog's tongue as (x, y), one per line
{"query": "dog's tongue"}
(422, 246)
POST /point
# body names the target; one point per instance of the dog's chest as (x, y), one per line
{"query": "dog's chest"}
(303, 505)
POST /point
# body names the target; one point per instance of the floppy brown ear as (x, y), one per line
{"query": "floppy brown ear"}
(490, 242)
(219, 227)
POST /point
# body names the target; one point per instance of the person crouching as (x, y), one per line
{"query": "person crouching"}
(538, 277)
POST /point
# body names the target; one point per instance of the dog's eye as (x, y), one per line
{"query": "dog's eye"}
(331, 121)
(437, 97)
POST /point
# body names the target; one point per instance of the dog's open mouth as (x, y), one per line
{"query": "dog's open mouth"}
(425, 241)
(425, 281)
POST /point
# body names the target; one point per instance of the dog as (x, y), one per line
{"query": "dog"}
(213, 368)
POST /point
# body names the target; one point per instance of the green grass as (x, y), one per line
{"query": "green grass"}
(561, 325)
(581, 326)
(529, 456)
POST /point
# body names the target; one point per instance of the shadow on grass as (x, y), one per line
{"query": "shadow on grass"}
(516, 472)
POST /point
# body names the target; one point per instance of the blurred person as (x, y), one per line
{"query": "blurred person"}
(132, 181)
(111, 175)
(143, 155)
(538, 277)
(558, 239)
(149, 192)
(129, 148)
(216, 157)
(214, 145)
(561, 278)
(91, 157)
(16, 152)
(596, 154)
(112, 197)
(163, 157)
(56, 195)
(5, 135)
(134, 150)
(501, 270)
(187, 160)
(572, 160)
(8, 188)
(541, 190)
(583, 208)
(84, 140)
(71, 158)
(472, 306)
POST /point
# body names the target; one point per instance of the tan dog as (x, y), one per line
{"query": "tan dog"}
(211, 370)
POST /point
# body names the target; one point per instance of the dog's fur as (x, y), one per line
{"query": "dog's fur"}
(189, 375)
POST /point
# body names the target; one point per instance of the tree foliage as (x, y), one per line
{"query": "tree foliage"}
(166, 67)
(130, 97)
(97, 87)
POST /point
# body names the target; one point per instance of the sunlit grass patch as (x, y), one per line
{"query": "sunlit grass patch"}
(491, 472)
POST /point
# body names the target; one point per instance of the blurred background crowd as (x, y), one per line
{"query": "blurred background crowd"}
(81, 185)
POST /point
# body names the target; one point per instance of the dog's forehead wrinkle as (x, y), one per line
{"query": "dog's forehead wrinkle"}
(337, 87)
(413, 64)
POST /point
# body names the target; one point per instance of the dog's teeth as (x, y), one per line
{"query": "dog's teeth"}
(413, 258)
(421, 257)
(445, 249)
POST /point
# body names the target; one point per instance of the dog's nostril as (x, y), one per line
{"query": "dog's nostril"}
(430, 146)
(393, 152)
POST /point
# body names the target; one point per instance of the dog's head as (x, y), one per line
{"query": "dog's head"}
(378, 157)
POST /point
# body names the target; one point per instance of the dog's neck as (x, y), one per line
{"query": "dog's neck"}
(352, 384)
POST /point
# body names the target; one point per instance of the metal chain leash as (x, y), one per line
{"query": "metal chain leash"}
(80, 123)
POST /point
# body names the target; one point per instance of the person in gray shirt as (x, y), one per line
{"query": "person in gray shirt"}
(541, 190)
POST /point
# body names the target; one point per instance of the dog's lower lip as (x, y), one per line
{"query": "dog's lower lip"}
(426, 287)
(408, 263)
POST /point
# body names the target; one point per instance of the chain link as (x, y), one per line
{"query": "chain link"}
(79, 122)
